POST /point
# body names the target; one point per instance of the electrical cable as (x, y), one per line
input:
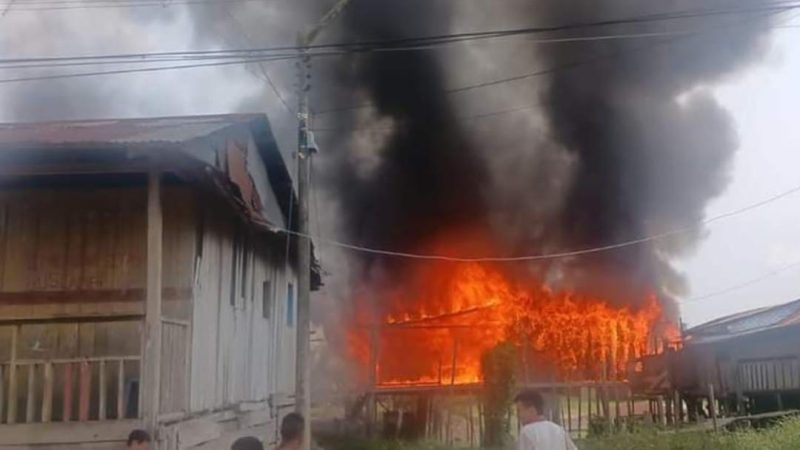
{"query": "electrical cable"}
(126, 71)
(264, 71)
(676, 35)
(389, 45)
(547, 256)
(737, 287)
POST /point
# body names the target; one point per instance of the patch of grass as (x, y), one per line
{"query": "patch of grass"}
(784, 436)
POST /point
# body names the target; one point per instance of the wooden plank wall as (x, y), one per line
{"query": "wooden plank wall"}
(239, 353)
(78, 252)
(82, 251)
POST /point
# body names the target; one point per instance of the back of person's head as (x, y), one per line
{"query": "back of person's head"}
(247, 443)
(530, 398)
(137, 438)
(292, 428)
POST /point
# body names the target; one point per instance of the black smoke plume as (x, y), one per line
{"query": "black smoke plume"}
(624, 139)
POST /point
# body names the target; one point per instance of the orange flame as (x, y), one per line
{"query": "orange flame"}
(434, 330)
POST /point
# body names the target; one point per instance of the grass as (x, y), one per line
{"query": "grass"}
(783, 436)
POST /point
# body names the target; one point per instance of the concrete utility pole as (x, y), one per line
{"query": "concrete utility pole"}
(304, 152)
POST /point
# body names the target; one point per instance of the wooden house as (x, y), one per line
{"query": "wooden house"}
(752, 360)
(146, 281)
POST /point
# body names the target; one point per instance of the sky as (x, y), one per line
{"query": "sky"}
(763, 101)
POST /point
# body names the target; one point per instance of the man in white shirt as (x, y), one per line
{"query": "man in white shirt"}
(538, 433)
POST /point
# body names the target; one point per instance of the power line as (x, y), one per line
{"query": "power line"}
(745, 284)
(676, 35)
(243, 56)
(261, 67)
(109, 4)
(385, 45)
(126, 71)
(557, 255)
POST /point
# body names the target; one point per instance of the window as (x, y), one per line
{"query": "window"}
(266, 299)
(290, 306)
(239, 267)
(236, 255)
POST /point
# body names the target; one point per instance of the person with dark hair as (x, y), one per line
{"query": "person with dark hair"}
(247, 443)
(538, 433)
(138, 440)
(292, 428)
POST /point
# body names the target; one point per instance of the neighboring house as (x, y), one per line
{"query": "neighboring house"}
(145, 281)
(752, 359)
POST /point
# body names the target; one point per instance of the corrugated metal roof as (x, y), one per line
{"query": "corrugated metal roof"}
(748, 322)
(119, 131)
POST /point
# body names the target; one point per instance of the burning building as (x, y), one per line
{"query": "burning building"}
(465, 153)
(449, 315)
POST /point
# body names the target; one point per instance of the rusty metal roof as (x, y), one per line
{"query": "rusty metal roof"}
(174, 130)
(217, 143)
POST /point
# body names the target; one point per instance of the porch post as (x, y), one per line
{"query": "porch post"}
(151, 367)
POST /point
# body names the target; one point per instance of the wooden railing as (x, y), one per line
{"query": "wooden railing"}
(43, 390)
(66, 390)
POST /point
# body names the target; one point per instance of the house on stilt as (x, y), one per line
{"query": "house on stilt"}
(146, 281)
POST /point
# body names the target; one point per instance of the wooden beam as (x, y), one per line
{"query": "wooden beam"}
(56, 319)
(47, 393)
(151, 385)
(12, 378)
(84, 390)
(121, 390)
(89, 296)
(28, 170)
(712, 405)
(102, 391)
(67, 403)
(31, 395)
(36, 434)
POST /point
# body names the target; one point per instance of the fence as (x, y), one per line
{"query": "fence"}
(64, 388)
(454, 414)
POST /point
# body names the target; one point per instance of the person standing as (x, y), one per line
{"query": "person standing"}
(538, 433)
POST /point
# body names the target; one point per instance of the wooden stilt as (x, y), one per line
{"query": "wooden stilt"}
(580, 410)
(712, 405)
(569, 410)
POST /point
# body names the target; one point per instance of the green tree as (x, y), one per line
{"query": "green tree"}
(497, 367)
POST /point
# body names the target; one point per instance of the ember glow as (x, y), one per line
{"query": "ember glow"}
(434, 330)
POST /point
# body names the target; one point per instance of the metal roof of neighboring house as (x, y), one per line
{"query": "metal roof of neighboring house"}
(748, 322)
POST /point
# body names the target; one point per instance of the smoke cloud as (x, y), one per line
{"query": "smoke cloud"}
(623, 142)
